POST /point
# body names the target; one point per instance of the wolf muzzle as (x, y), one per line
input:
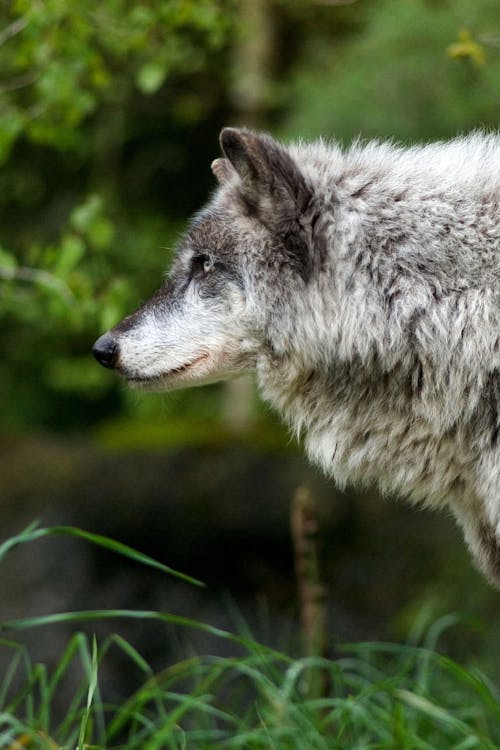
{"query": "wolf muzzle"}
(106, 350)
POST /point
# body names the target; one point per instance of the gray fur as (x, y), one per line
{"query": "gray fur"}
(363, 287)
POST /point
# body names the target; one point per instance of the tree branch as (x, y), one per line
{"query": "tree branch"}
(14, 28)
(38, 276)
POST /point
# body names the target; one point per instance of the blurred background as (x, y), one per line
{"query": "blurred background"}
(109, 119)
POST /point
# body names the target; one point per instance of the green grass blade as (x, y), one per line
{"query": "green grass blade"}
(33, 533)
(12, 669)
(90, 697)
(30, 534)
(107, 614)
(127, 649)
(121, 549)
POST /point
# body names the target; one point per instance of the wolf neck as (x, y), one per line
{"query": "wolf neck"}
(359, 427)
(330, 409)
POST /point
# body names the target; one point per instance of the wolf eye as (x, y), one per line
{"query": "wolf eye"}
(202, 263)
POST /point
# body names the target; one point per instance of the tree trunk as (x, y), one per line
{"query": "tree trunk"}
(249, 93)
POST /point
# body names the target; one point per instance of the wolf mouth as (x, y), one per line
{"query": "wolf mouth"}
(151, 379)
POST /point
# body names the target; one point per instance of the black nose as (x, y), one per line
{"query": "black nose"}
(105, 350)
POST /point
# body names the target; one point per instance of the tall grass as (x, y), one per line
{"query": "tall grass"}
(377, 696)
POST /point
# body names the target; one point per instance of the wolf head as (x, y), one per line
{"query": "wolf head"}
(210, 319)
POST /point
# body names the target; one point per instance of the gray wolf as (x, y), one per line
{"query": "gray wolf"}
(363, 288)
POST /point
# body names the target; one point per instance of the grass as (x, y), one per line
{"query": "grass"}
(376, 696)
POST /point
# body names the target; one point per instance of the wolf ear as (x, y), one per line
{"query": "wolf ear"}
(223, 170)
(267, 171)
(272, 188)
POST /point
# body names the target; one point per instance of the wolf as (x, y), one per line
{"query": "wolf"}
(362, 286)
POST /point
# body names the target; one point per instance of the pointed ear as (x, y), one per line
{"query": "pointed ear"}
(272, 188)
(223, 170)
(266, 169)
(241, 147)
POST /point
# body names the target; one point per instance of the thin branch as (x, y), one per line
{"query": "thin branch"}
(19, 82)
(38, 276)
(489, 40)
(12, 29)
(334, 2)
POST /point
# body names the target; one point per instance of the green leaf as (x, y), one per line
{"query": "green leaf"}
(11, 125)
(84, 215)
(150, 77)
(72, 251)
(101, 232)
(7, 260)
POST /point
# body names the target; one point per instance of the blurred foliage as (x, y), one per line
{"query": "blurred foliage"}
(89, 158)
(109, 115)
(403, 75)
(62, 61)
